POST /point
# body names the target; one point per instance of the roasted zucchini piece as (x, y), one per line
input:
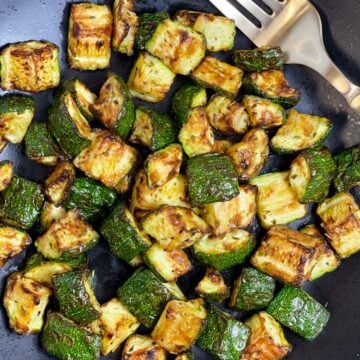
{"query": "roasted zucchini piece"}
(152, 129)
(126, 240)
(6, 174)
(89, 36)
(49, 213)
(174, 227)
(238, 212)
(109, 160)
(115, 107)
(222, 146)
(163, 165)
(25, 301)
(212, 286)
(224, 251)
(3, 144)
(16, 114)
(179, 325)
(277, 202)
(263, 112)
(223, 336)
(259, 59)
(340, 217)
(196, 135)
(300, 132)
(21, 203)
(348, 168)
(212, 178)
(267, 339)
(64, 339)
(219, 31)
(227, 116)
(252, 290)
(186, 98)
(30, 66)
(75, 294)
(12, 242)
(68, 125)
(41, 147)
(59, 182)
(68, 235)
(150, 79)
(311, 173)
(90, 197)
(287, 255)
(250, 154)
(167, 265)
(217, 75)
(328, 260)
(145, 296)
(298, 311)
(272, 85)
(143, 347)
(124, 27)
(185, 356)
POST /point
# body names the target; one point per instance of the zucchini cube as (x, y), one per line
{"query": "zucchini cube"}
(267, 340)
(21, 203)
(219, 76)
(298, 311)
(212, 178)
(139, 347)
(49, 213)
(6, 174)
(287, 255)
(150, 79)
(30, 66)
(84, 344)
(222, 146)
(109, 160)
(174, 227)
(117, 325)
(253, 290)
(179, 325)
(89, 36)
(340, 217)
(223, 336)
(25, 301)
(126, 240)
(212, 286)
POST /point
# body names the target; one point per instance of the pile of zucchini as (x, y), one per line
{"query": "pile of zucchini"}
(166, 191)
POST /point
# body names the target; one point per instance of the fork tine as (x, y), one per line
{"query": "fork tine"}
(256, 11)
(274, 5)
(241, 21)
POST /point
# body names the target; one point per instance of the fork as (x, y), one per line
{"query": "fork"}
(295, 26)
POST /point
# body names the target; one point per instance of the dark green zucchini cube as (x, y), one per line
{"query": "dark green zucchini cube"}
(212, 178)
(65, 340)
(298, 311)
(223, 336)
(253, 290)
(21, 203)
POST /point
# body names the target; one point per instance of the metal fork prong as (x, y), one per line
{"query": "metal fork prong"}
(256, 11)
(241, 21)
(274, 5)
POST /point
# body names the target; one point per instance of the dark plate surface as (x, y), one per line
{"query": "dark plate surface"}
(47, 19)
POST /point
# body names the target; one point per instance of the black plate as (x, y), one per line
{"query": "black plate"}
(47, 19)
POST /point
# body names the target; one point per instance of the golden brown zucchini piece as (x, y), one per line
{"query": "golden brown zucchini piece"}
(25, 301)
(222, 146)
(49, 213)
(89, 36)
(287, 255)
(179, 325)
(30, 66)
(212, 286)
(6, 174)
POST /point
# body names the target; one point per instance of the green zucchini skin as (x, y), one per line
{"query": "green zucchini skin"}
(298, 311)
(218, 337)
(145, 296)
(21, 203)
(212, 178)
(254, 290)
(148, 23)
(125, 242)
(348, 168)
(183, 100)
(37, 259)
(65, 340)
(263, 58)
(90, 197)
(74, 301)
(16, 103)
